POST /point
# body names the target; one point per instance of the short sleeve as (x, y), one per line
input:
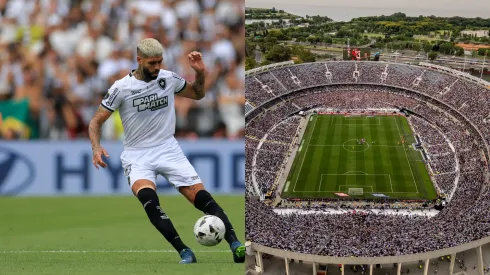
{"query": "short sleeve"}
(180, 83)
(112, 100)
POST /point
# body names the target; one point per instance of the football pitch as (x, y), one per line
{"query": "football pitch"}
(332, 159)
(107, 235)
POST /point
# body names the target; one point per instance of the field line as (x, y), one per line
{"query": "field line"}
(304, 156)
(301, 146)
(391, 184)
(103, 251)
(327, 145)
(405, 151)
(358, 186)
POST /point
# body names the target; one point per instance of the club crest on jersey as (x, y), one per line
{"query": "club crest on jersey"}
(162, 83)
(150, 102)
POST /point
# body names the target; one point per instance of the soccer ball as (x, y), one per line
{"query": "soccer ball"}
(209, 230)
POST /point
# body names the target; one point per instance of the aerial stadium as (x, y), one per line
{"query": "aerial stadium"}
(357, 164)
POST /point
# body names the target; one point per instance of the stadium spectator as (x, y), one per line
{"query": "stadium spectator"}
(451, 143)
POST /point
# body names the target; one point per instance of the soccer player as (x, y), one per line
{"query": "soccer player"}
(145, 99)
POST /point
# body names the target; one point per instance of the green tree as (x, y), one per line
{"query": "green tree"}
(313, 39)
(250, 48)
(459, 51)
(304, 54)
(432, 55)
(481, 51)
(446, 48)
(416, 47)
(427, 46)
(279, 35)
(278, 53)
(265, 63)
(250, 63)
(327, 39)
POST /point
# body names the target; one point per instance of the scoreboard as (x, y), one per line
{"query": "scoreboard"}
(359, 54)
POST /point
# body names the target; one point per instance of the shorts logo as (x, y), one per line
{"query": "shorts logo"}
(194, 177)
(150, 102)
(111, 97)
(162, 83)
(127, 171)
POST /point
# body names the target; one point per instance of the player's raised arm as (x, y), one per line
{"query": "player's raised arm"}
(195, 90)
(94, 133)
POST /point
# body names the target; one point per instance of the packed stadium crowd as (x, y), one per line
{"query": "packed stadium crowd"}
(469, 98)
(459, 174)
(58, 58)
(379, 204)
(267, 158)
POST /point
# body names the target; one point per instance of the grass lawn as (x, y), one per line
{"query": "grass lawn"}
(331, 160)
(106, 235)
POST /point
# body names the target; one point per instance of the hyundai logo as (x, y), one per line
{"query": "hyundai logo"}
(16, 172)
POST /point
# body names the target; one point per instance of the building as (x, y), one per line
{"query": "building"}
(477, 33)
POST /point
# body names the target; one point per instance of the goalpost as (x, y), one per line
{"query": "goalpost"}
(356, 191)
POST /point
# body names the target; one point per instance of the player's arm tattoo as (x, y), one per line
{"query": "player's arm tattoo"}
(95, 126)
(198, 85)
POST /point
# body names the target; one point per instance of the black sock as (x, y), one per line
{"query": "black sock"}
(205, 202)
(149, 199)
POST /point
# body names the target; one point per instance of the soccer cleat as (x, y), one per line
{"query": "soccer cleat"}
(187, 256)
(238, 250)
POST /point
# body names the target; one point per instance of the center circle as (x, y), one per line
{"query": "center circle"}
(351, 145)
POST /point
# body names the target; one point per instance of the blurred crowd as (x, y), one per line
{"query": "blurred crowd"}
(59, 57)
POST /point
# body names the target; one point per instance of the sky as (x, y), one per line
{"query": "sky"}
(465, 8)
(474, 5)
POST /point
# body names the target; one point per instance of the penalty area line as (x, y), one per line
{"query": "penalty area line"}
(103, 251)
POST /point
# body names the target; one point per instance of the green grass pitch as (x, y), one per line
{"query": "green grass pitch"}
(330, 160)
(107, 235)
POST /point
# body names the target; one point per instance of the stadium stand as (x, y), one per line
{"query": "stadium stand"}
(450, 114)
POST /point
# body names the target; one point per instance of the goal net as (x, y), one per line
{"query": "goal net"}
(356, 191)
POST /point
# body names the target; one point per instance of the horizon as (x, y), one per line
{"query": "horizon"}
(343, 12)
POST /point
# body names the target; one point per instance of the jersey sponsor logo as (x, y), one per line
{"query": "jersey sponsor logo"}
(162, 83)
(150, 102)
(112, 97)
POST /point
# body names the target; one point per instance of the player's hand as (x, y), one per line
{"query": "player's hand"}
(195, 58)
(97, 157)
